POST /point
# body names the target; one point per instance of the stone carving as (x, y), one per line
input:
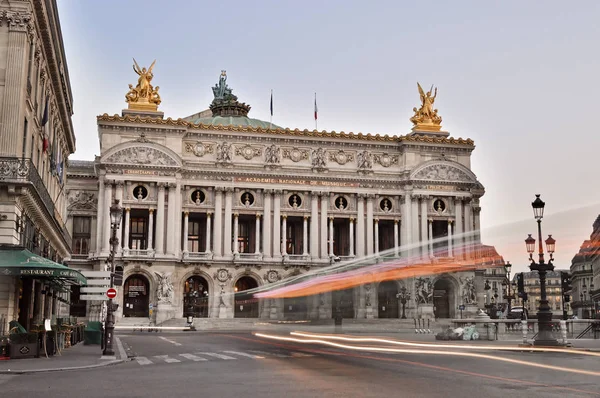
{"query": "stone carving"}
(364, 161)
(272, 154)
(222, 275)
(165, 289)
(247, 151)
(272, 276)
(424, 290)
(222, 295)
(295, 154)
(224, 152)
(82, 200)
(442, 172)
(341, 157)
(143, 96)
(18, 21)
(199, 149)
(386, 160)
(426, 116)
(319, 161)
(368, 294)
(468, 290)
(141, 155)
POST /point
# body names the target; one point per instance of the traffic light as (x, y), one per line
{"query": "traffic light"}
(118, 275)
(567, 298)
(520, 284)
(565, 281)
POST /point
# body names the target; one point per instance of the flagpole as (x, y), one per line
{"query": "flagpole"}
(316, 128)
(271, 118)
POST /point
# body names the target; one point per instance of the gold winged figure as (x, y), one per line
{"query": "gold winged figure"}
(143, 95)
(426, 114)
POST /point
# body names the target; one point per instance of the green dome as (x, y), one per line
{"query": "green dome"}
(240, 121)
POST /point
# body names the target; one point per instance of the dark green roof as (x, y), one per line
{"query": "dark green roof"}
(242, 121)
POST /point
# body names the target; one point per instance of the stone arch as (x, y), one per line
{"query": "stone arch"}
(245, 306)
(212, 289)
(443, 171)
(142, 154)
(387, 303)
(446, 292)
(136, 295)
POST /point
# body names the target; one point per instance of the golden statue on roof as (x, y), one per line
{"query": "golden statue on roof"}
(426, 117)
(143, 96)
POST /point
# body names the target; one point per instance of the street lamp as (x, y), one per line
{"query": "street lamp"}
(404, 297)
(116, 212)
(507, 286)
(544, 315)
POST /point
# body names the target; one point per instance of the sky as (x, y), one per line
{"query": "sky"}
(519, 78)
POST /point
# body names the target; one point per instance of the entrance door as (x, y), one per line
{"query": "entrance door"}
(344, 300)
(295, 308)
(136, 296)
(388, 302)
(442, 291)
(246, 306)
(195, 297)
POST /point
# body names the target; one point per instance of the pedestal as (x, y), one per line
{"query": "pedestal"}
(222, 311)
(323, 313)
(369, 313)
(164, 312)
(425, 311)
(273, 313)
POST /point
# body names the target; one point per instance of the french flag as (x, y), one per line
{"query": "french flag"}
(316, 109)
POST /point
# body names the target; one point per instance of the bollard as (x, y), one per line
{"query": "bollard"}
(563, 332)
(524, 330)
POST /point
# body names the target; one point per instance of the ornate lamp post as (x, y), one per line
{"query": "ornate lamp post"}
(404, 297)
(509, 295)
(544, 315)
(115, 223)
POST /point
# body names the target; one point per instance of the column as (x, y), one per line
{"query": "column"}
(218, 230)
(160, 220)
(476, 213)
(11, 135)
(314, 225)
(424, 235)
(458, 227)
(370, 198)
(236, 246)
(208, 231)
(324, 207)
(178, 219)
(171, 220)
(450, 238)
(257, 240)
(277, 224)
(284, 235)
(150, 228)
(305, 236)
(100, 216)
(351, 237)
(126, 231)
(227, 224)
(377, 236)
(430, 222)
(106, 211)
(468, 229)
(396, 236)
(186, 225)
(119, 197)
(267, 200)
(405, 229)
(331, 236)
(360, 226)
(414, 222)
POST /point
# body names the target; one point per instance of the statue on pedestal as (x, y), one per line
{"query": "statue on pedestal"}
(143, 96)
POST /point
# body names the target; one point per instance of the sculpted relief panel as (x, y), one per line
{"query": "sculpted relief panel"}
(442, 172)
(141, 155)
(82, 200)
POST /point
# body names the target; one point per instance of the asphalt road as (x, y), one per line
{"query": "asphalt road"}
(243, 365)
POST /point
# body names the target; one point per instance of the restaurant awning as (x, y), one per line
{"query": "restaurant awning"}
(18, 261)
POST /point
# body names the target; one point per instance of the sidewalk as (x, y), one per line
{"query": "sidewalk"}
(74, 358)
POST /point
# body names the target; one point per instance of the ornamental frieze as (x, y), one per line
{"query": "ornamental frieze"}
(141, 155)
(386, 160)
(442, 172)
(341, 157)
(82, 200)
(199, 149)
(247, 151)
(295, 154)
(364, 160)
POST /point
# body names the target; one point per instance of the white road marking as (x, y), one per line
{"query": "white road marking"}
(271, 354)
(166, 358)
(244, 354)
(213, 354)
(170, 341)
(143, 361)
(193, 357)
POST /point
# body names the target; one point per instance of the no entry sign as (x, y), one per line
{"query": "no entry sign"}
(111, 293)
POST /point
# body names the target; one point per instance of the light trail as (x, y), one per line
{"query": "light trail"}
(431, 345)
(429, 352)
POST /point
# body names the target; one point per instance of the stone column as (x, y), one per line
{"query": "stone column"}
(119, 197)
(267, 199)
(208, 231)
(424, 237)
(324, 207)
(396, 236)
(100, 215)
(277, 224)
(406, 230)
(218, 230)
(305, 236)
(236, 245)
(284, 235)
(171, 220)
(370, 198)
(331, 236)
(414, 222)
(186, 226)
(106, 211)
(476, 221)
(178, 219)
(257, 240)
(351, 230)
(458, 227)
(468, 229)
(314, 225)
(450, 238)
(430, 222)
(377, 236)
(360, 226)
(126, 231)
(160, 220)
(227, 223)
(150, 228)
(17, 47)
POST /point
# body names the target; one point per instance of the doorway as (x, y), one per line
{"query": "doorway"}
(439, 228)
(246, 306)
(443, 299)
(387, 300)
(136, 297)
(344, 300)
(195, 297)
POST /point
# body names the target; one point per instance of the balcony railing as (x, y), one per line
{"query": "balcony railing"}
(197, 256)
(22, 170)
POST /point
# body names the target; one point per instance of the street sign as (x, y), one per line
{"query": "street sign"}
(461, 307)
(111, 293)
(93, 289)
(93, 297)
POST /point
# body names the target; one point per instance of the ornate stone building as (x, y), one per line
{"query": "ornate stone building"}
(218, 203)
(585, 276)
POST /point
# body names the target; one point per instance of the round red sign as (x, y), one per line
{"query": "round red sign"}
(111, 293)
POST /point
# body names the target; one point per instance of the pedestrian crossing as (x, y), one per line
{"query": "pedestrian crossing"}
(201, 356)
